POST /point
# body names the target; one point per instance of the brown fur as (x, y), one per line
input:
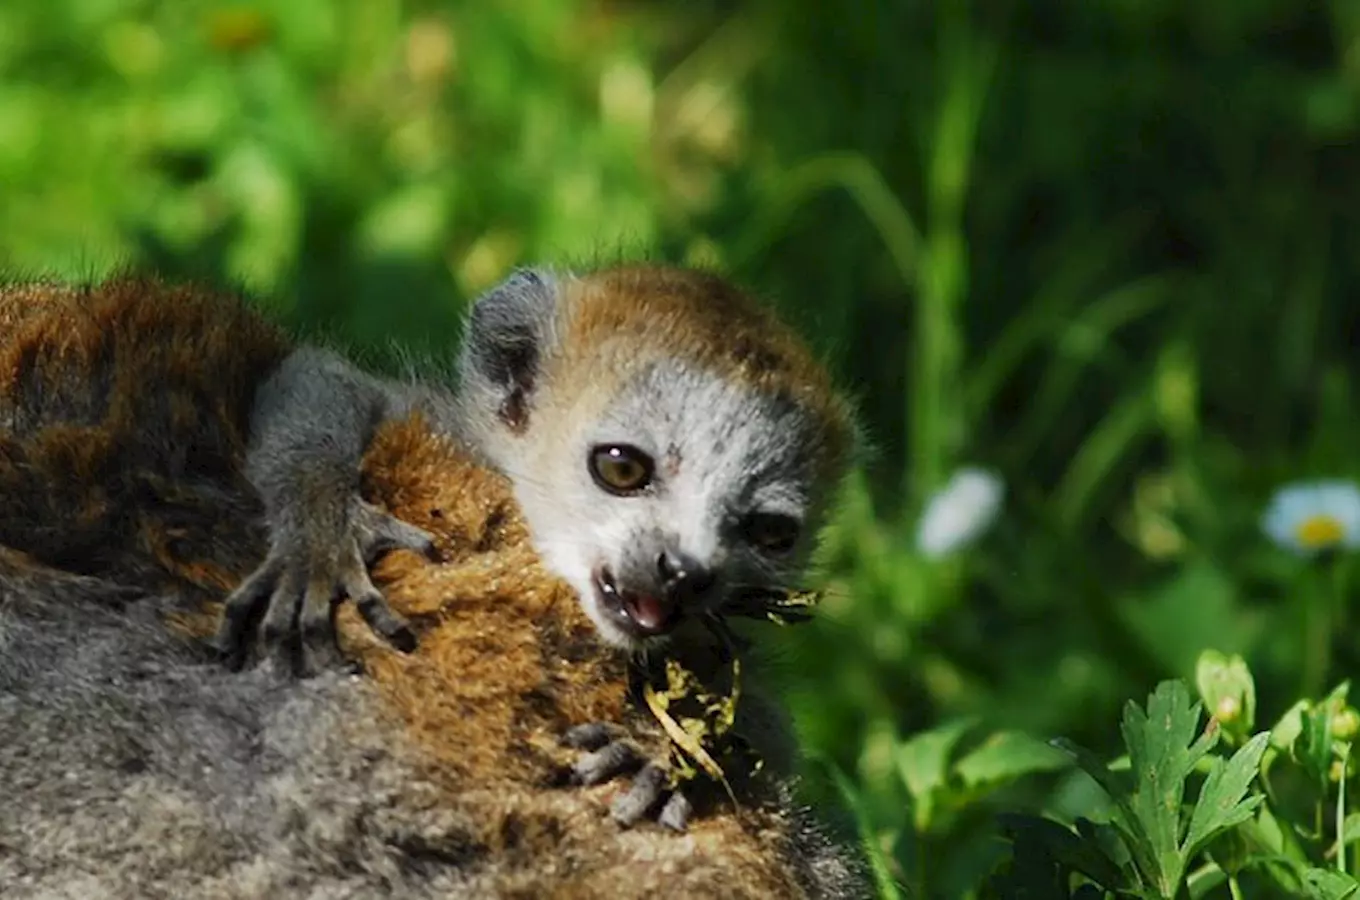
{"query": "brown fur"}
(124, 411)
(673, 311)
(123, 423)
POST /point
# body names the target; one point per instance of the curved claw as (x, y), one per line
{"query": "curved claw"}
(242, 611)
(613, 759)
(650, 790)
(378, 532)
(675, 814)
(590, 736)
(292, 596)
(644, 795)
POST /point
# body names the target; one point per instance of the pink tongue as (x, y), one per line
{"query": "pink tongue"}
(646, 610)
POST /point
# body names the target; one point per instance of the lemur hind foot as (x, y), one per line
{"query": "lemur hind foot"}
(609, 754)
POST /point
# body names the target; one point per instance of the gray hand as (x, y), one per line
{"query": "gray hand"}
(292, 596)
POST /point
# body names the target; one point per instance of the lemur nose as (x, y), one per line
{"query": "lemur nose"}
(682, 576)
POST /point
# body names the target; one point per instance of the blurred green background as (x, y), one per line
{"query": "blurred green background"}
(1106, 249)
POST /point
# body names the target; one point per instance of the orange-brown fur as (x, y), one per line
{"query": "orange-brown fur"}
(691, 315)
(124, 411)
(506, 658)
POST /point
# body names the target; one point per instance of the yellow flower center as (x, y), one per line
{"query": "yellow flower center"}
(1316, 532)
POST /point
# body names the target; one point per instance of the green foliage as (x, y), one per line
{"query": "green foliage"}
(1104, 251)
(1149, 815)
(940, 780)
(1153, 835)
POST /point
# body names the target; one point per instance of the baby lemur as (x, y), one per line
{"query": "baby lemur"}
(669, 442)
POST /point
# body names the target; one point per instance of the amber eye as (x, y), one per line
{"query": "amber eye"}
(772, 533)
(620, 468)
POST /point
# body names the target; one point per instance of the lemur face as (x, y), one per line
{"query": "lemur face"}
(669, 445)
(658, 500)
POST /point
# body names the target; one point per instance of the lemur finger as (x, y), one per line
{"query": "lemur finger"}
(642, 797)
(380, 533)
(375, 609)
(590, 736)
(241, 610)
(316, 627)
(380, 616)
(278, 632)
(617, 758)
(675, 814)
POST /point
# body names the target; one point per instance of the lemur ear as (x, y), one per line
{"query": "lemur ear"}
(507, 330)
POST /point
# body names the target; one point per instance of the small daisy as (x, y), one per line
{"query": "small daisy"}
(959, 512)
(1315, 516)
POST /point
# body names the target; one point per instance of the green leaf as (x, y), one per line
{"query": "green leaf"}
(1267, 835)
(1073, 851)
(888, 888)
(1313, 749)
(1350, 829)
(1161, 756)
(923, 762)
(1006, 756)
(1288, 728)
(1222, 801)
(1205, 880)
(1106, 837)
(1117, 786)
(1229, 693)
(1328, 884)
(1230, 851)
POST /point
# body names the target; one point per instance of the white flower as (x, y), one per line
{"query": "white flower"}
(1314, 516)
(959, 512)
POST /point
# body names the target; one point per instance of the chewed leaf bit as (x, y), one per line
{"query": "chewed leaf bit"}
(695, 700)
(698, 723)
(783, 607)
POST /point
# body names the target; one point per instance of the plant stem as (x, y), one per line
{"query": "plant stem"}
(935, 409)
(1336, 585)
(923, 860)
(1341, 812)
(1318, 612)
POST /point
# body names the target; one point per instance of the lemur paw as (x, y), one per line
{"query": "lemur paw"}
(292, 596)
(609, 757)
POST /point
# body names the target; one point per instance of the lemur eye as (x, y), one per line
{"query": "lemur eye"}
(771, 532)
(620, 468)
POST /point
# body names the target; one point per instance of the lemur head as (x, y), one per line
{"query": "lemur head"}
(669, 441)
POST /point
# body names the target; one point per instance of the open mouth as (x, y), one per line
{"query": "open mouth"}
(641, 614)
